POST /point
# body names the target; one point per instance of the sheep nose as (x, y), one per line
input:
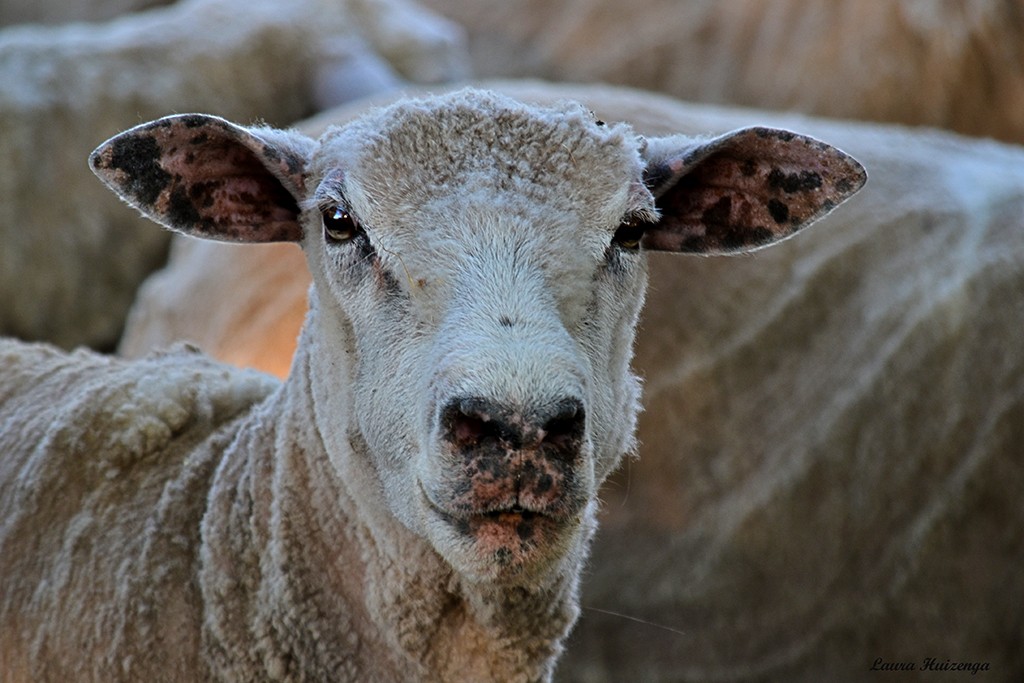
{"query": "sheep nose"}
(555, 430)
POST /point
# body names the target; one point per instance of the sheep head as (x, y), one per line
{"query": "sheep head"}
(478, 271)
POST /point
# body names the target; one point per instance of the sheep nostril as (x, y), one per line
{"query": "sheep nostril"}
(471, 421)
(467, 430)
(561, 433)
(564, 430)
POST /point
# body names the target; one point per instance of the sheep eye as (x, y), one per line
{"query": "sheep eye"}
(339, 225)
(629, 234)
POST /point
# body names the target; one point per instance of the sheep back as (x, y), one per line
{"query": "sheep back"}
(104, 467)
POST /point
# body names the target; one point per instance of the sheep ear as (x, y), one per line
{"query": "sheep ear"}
(207, 177)
(744, 190)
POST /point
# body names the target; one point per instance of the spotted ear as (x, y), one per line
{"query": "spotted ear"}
(207, 177)
(744, 190)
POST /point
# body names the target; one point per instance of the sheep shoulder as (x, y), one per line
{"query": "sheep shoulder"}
(104, 465)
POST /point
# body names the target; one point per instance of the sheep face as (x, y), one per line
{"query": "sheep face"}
(471, 246)
(478, 273)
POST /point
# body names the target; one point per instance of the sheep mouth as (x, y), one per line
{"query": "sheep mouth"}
(512, 539)
(522, 512)
(514, 528)
(514, 514)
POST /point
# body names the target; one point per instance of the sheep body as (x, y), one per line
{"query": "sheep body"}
(122, 499)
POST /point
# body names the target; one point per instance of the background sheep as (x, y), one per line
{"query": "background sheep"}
(416, 500)
(830, 446)
(957, 64)
(53, 12)
(72, 258)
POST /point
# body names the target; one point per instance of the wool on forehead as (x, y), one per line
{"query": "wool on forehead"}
(473, 141)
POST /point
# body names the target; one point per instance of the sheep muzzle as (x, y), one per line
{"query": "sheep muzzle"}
(511, 483)
(508, 460)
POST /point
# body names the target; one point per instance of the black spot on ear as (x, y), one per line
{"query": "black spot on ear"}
(844, 185)
(789, 183)
(202, 193)
(778, 211)
(138, 156)
(194, 120)
(768, 133)
(719, 213)
(762, 235)
(737, 237)
(505, 321)
(181, 210)
(270, 153)
(295, 164)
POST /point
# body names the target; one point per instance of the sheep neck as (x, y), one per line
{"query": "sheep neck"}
(367, 598)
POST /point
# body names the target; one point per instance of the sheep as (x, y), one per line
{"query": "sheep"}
(956, 65)
(69, 268)
(829, 462)
(43, 12)
(415, 501)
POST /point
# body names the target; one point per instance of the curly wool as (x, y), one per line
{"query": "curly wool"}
(111, 443)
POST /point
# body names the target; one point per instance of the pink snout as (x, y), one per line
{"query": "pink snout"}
(511, 461)
(512, 482)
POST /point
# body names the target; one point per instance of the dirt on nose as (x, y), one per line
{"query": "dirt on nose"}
(493, 477)
(504, 461)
